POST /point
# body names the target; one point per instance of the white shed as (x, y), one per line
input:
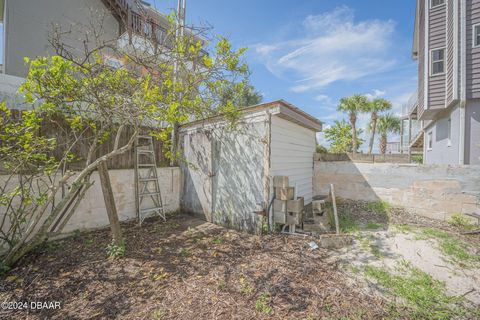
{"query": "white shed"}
(228, 173)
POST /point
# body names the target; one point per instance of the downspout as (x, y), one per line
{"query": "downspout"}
(463, 81)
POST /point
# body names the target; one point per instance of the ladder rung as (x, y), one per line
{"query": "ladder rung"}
(150, 209)
(147, 179)
(149, 194)
(146, 165)
(144, 137)
(144, 151)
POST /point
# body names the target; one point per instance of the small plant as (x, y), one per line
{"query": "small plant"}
(373, 226)
(404, 228)
(462, 222)
(190, 231)
(184, 252)
(116, 251)
(457, 250)
(262, 304)
(346, 222)
(245, 288)
(379, 207)
(218, 240)
(222, 285)
(423, 295)
(158, 314)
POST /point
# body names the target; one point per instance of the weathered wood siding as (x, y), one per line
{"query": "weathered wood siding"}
(292, 150)
(223, 175)
(473, 54)
(436, 40)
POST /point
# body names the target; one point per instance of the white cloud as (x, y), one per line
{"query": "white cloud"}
(375, 94)
(335, 48)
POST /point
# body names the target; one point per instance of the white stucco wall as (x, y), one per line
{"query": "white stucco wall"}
(91, 213)
(292, 150)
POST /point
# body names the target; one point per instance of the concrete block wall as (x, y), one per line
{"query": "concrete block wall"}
(91, 212)
(435, 191)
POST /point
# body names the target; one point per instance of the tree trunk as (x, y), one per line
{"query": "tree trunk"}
(26, 244)
(383, 144)
(353, 121)
(372, 134)
(110, 203)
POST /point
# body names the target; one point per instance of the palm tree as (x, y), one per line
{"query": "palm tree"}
(353, 105)
(388, 123)
(375, 107)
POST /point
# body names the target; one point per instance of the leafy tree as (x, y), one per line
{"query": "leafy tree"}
(388, 123)
(94, 101)
(321, 149)
(353, 105)
(246, 96)
(375, 107)
(340, 137)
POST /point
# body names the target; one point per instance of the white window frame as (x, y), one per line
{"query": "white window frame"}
(474, 37)
(449, 132)
(431, 62)
(429, 140)
(437, 5)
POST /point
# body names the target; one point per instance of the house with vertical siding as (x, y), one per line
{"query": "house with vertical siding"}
(447, 104)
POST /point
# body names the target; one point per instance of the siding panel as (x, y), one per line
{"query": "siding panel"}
(473, 54)
(292, 149)
(437, 39)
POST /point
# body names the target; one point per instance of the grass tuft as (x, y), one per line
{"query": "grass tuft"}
(380, 207)
(462, 222)
(262, 304)
(423, 294)
(453, 248)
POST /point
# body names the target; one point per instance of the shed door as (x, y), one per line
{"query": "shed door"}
(198, 173)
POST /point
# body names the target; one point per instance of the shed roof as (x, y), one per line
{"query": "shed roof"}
(281, 108)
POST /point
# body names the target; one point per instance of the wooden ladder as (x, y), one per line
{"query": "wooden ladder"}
(146, 180)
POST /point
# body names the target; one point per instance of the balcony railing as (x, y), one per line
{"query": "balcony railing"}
(411, 105)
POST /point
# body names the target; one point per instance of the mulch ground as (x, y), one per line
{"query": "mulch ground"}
(186, 269)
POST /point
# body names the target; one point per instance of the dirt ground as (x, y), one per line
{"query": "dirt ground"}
(189, 269)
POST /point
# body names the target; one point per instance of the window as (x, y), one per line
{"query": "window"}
(476, 35)
(429, 141)
(438, 61)
(449, 132)
(436, 3)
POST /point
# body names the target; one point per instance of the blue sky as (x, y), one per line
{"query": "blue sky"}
(311, 52)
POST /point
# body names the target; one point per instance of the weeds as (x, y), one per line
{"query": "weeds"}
(184, 252)
(367, 245)
(346, 223)
(114, 251)
(245, 286)
(373, 226)
(457, 250)
(379, 207)
(158, 314)
(222, 285)
(424, 295)
(404, 228)
(462, 222)
(218, 240)
(262, 304)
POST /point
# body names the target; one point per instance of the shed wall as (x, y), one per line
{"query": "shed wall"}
(224, 178)
(292, 150)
